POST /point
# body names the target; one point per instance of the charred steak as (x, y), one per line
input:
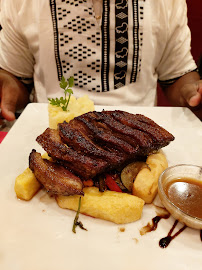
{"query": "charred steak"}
(97, 142)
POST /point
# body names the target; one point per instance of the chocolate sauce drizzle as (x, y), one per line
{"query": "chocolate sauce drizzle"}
(164, 242)
(153, 225)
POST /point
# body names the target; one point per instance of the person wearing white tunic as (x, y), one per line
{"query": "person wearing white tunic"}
(116, 51)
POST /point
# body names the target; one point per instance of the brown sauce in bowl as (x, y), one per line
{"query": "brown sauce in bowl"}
(186, 194)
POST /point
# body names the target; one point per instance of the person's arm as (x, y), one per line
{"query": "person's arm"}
(16, 60)
(14, 95)
(186, 92)
(177, 70)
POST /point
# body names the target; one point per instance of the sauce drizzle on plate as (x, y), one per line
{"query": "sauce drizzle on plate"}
(162, 213)
(164, 242)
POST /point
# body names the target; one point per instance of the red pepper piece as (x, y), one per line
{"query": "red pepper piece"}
(111, 183)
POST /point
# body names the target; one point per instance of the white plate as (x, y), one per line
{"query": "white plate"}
(37, 235)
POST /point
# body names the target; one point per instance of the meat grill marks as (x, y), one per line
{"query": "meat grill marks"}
(160, 137)
(81, 165)
(137, 130)
(55, 178)
(97, 142)
(136, 138)
(80, 142)
(105, 137)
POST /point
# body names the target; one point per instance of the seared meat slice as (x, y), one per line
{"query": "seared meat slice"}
(102, 141)
(132, 136)
(84, 166)
(55, 178)
(159, 135)
(80, 142)
(76, 123)
(106, 137)
(119, 135)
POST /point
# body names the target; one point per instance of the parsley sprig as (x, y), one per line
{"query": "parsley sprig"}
(63, 102)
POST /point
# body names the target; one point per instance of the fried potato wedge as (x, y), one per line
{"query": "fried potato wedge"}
(113, 206)
(145, 185)
(26, 185)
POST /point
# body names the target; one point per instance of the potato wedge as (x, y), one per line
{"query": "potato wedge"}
(26, 185)
(145, 185)
(113, 206)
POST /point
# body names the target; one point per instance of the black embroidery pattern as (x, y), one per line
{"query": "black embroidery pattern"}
(95, 38)
(121, 43)
(141, 18)
(79, 25)
(105, 45)
(77, 42)
(136, 41)
(82, 48)
(55, 33)
(80, 52)
(82, 79)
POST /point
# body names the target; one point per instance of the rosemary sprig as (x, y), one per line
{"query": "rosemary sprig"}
(76, 222)
(63, 102)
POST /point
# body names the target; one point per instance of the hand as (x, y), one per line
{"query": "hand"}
(13, 95)
(186, 92)
(191, 95)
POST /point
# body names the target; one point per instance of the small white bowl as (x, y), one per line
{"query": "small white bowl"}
(170, 174)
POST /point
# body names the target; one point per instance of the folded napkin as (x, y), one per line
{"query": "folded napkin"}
(2, 135)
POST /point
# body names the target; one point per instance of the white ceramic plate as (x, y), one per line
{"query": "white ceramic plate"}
(37, 235)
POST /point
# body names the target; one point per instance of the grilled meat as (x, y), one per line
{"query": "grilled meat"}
(97, 142)
(160, 137)
(55, 178)
(80, 142)
(136, 138)
(80, 164)
(105, 137)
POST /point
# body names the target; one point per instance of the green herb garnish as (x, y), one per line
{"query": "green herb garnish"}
(63, 101)
(76, 222)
